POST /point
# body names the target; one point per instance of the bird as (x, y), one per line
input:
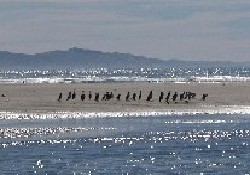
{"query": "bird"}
(96, 97)
(182, 96)
(69, 96)
(134, 96)
(118, 97)
(175, 96)
(60, 97)
(149, 96)
(127, 97)
(161, 97)
(140, 95)
(204, 96)
(74, 95)
(167, 98)
(90, 95)
(83, 96)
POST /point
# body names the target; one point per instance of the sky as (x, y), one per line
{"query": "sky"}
(167, 29)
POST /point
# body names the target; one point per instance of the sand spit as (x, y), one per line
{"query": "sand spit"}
(39, 101)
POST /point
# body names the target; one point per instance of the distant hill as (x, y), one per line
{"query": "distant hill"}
(77, 58)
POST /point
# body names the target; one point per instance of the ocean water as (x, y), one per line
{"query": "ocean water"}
(176, 144)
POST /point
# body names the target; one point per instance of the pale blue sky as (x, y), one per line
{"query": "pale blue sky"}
(183, 29)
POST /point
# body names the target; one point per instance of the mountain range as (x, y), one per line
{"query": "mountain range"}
(79, 59)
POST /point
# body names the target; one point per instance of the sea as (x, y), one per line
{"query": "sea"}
(197, 144)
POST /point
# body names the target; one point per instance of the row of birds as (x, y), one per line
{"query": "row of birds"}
(186, 96)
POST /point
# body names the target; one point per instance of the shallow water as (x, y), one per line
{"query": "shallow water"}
(186, 144)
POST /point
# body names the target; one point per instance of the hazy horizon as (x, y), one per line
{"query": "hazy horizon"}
(165, 29)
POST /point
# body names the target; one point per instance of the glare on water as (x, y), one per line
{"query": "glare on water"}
(179, 144)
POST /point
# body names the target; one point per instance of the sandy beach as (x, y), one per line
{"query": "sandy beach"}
(43, 97)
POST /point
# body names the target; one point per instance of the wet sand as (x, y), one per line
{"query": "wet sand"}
(43, 97)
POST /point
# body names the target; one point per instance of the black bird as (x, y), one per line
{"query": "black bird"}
(140, 95)
(161, 97)
(189, 95)
(127, 97)
(134, 96)
(118, 97)
(74, 95)
(193, 95)
(107, 96)
(104, 96)
(97, 97)
(90, 95)
(149, 96)
(167, 98)
(60, 97)
(69, 96)
(182, 96)
(83, 96)
(204, 96)
(175, 96)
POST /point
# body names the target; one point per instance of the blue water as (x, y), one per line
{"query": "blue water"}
(187, 144)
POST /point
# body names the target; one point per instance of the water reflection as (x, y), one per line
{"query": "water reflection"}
(204, 144)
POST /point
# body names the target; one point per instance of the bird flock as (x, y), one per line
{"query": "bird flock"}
(184, 96)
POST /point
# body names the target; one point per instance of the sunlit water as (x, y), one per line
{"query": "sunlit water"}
(191, 144)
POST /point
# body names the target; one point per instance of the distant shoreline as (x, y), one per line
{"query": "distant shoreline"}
(211, 79)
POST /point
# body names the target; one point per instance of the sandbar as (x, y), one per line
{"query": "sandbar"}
(42, 97)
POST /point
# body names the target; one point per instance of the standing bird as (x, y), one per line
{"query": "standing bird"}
(189, 96)
(134, 96)
(74, 95)
(149, 96)
(161, 97)
(96, 97)
(83, 96)
(90, 95)
(140, 95)
(60, 97)
(69, 96)
(193, 95)
(127, 97)
(118, 97)
(105, 96)
(204, 96)
(175, 96)
(182, 96)
(167, 98)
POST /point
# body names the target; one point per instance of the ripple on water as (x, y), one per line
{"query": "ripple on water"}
(204, 144)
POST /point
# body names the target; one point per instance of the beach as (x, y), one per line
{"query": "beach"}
(42, 97)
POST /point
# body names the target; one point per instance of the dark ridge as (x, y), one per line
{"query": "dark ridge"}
(78, 58)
